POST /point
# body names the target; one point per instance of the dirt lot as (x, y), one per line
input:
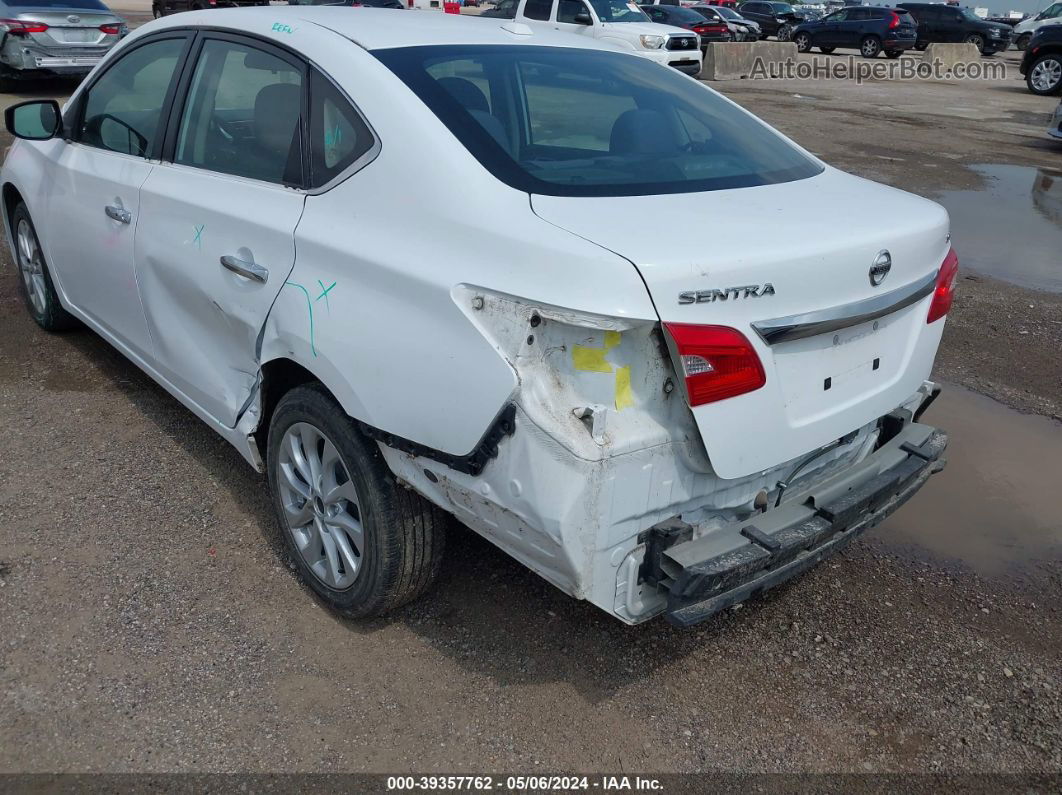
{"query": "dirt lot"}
(149, 624)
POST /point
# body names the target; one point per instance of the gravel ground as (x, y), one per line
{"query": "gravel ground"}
(149, 623)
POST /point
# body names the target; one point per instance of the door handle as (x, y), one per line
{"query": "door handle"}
(118, 214)
(250, 270)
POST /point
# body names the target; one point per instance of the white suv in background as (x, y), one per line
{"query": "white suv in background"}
(620, 23)
(1024, 31)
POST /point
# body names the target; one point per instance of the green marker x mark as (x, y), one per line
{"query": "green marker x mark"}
(325, 292)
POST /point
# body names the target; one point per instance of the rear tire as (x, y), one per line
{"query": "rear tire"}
(802, 41)
(827, 50)
(35, 280)
(870, 47)
(156, 11)
(893, 53)
(364, 544)
(921, 45)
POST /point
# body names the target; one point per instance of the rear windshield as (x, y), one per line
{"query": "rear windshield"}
(569, 122)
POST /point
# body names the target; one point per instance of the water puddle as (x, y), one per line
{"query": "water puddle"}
(997, 507)
(1012, 228)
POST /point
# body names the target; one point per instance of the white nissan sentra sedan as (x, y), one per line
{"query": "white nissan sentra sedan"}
(413, 265)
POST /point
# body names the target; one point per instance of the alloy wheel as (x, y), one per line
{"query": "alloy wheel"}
(321, 506)
(31, 265)
(802, 41)
(1046, 75)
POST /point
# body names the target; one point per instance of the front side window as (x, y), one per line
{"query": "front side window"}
(570, 122)
(538, 9)
(618, 11)
(243, 114)
(123, 109)
(568, 10)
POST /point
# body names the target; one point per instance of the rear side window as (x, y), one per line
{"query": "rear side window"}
(123, 109)
(572, 122)
(538, 9)
(338, 135)
(243, 114)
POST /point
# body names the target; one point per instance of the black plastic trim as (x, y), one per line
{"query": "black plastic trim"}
(473, 462)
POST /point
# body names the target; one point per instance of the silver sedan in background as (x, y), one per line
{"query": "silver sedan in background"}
(40, 38)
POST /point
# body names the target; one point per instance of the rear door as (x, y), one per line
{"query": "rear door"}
(850, 32)
(829, 34)
(215, 242)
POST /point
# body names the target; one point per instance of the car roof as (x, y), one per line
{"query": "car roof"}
(380, 28)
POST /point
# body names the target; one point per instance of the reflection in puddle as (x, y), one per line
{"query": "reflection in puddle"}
(1011, 229)
(997, 506)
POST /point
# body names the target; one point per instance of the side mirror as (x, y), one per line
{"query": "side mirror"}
(583, 18)
(37, 120)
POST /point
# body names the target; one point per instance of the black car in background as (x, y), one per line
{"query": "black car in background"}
(687, 18)
(940, 23)
(869, 29)
(161, 8)
(774, 19)
(1042, 62)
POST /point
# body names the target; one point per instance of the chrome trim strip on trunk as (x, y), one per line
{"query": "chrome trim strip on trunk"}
(809, 324)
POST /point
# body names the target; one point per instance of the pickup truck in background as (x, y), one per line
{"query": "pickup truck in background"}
(616, 22)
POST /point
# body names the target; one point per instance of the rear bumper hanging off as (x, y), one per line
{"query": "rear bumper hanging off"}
(706, 575)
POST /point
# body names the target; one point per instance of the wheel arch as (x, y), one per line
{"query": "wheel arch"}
(11, 198)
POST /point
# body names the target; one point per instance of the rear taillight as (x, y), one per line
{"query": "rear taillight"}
(895, 21)
(111, 30)
(16, 27)
(717, 362)
(945, 289)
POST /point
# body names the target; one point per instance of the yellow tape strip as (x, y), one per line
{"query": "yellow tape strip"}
(624, 396)
(590, 359)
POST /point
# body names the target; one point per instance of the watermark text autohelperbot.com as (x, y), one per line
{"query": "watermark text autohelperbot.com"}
(865, 70)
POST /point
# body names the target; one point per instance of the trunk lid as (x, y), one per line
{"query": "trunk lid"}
(70, 27)
(814, 242)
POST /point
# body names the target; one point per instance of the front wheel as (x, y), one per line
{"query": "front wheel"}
(976, 41)
(35, 283)
(870, 47)
(1023, 41)
(921, 45)
(785, 32)
(802, 41)
(827, 50)
(363, 543)
(156, 11)
(1045, 76)
(893, 53)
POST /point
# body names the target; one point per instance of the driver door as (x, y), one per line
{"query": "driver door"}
(93, 210)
